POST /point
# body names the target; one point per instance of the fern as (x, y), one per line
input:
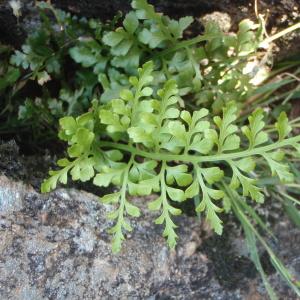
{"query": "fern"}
(171, 128)
(105, 56)
(145, 143)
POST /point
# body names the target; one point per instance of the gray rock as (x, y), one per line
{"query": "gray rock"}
(56, 246)
(12, 194)
(222, 19)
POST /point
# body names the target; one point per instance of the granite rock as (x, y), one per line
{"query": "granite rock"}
(56, 246)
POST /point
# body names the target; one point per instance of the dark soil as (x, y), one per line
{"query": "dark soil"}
(231, 269)
(31, 169)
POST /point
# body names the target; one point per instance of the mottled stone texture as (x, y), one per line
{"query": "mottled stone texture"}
(55, 246)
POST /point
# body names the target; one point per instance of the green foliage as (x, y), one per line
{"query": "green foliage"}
(42, 66)
(104, 57)
(156, 132)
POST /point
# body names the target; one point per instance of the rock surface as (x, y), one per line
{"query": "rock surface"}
(55, 246)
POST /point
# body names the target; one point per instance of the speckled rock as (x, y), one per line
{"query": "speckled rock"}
(56, 246)
(222, 19)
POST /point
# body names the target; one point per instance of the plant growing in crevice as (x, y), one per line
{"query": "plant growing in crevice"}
(180, 154)
(183, 126)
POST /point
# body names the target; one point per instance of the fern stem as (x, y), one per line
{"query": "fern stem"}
(201, 183)
(184, 44)
(206, 158)
(123, 196)
(163, 189)
(282, 33)
(169, 231)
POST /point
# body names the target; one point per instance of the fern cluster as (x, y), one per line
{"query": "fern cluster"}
(209, 69)
(145, 142)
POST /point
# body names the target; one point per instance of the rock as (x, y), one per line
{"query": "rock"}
(222, 19)
(12, 194)
(56, 246)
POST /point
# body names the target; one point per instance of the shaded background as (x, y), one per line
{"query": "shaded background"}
(279, 13)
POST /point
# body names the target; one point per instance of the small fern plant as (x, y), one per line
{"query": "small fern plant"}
(209, 68)
(145, 142)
